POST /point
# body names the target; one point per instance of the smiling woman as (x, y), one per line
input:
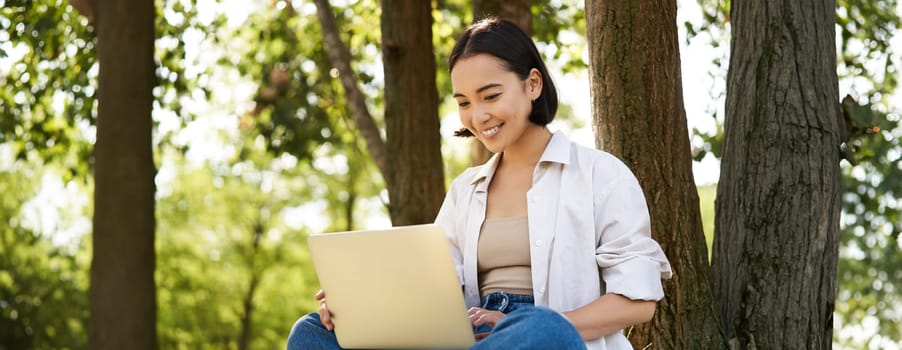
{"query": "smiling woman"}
(547, 234)
(559, 190)
(497, 56)
(494, 103)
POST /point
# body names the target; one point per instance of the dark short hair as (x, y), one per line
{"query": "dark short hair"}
(506, 41)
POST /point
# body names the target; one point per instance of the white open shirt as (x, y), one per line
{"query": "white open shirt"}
(589, 231)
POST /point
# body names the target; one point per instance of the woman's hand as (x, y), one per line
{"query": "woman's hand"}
(324, 316)
(479, 316)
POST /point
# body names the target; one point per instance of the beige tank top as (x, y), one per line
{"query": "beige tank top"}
(502, 257)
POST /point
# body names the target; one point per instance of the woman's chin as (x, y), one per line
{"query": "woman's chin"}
(494, 144)
(495, 149)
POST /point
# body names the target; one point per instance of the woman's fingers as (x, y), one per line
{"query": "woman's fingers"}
(480, 316)
(325, 316)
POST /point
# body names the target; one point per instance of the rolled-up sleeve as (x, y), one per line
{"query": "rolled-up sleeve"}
(631, 262)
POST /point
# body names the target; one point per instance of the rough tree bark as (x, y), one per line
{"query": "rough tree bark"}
(777, 215)
(637, 104)
(411, 161)
(411, 112)
(123, 311)
(516, 11)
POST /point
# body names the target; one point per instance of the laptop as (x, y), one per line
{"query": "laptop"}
(392, 288)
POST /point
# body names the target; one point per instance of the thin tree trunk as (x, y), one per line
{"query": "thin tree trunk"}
(637, 104)
(123, 311)
(777, 217)
(410, 159)
(246, 318)
(349, 204)
(340, 57)
(516, 11)
(411, 112)
(247, 313)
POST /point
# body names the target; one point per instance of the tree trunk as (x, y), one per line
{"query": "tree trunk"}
(122, 293)
(777, 217)
(349, 204)
(247, 303)
(637, 104)
(516, 11)
(411, 112)
(244, 338)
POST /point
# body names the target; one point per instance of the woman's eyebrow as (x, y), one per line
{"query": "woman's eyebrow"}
(481, 89)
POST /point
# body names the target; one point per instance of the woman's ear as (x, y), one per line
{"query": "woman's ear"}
(534, 84)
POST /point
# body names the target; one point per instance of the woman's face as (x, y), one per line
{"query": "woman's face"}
(493, 102)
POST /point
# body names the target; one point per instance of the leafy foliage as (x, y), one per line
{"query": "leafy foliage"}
(299, 105)
(48, 92)
(550, 19)
(223, 242)
(48, 101)
(43, 287)
(870, 281)
(866, 28)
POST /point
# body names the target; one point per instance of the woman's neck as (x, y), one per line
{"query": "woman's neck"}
(529, 148)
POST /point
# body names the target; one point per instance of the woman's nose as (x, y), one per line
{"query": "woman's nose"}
(480, 115)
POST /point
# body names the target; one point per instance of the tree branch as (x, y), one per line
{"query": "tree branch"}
(340, 57)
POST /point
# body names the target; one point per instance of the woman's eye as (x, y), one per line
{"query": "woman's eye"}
(463, 104)
(492, 96)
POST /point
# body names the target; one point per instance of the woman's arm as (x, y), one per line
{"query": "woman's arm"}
(608, 314)
(632, 264)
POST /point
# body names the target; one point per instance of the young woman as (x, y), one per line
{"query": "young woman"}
(551, 240)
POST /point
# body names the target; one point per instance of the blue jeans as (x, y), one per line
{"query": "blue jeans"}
(524, 327)
(505, 303)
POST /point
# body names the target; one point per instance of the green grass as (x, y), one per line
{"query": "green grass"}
(706, 195)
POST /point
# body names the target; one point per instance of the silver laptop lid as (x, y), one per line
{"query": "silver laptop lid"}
(392, 288)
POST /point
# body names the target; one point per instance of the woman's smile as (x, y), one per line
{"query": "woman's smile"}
(490, 132)
(494, 102)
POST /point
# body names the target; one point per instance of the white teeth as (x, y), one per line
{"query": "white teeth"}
(491, 131)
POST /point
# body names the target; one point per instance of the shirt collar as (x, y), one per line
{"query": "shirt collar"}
(487, 170)
(557, 151)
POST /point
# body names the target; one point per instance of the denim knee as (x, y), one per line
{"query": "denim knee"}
(309, 333)
(535, 328)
